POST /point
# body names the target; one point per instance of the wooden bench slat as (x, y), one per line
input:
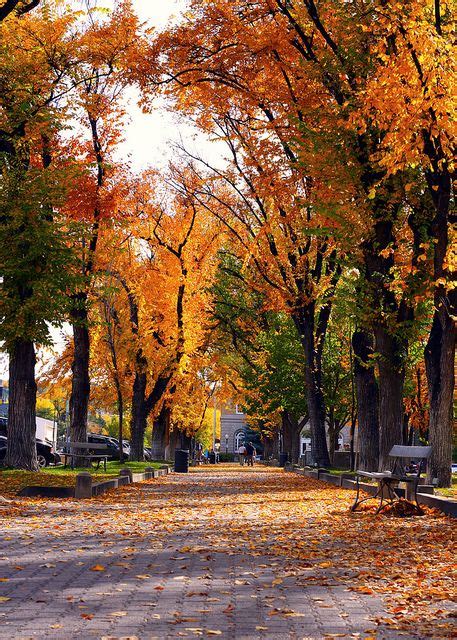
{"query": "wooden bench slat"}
(404, 451)
(87, 445)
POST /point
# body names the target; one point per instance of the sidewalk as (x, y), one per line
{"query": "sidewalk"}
(223, 552)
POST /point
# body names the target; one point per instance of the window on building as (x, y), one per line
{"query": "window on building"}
(239, 439)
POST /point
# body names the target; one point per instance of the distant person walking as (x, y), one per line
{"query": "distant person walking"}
(250, 454)
(242, 454)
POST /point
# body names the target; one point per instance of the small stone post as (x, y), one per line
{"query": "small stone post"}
(83, 487)
(127, 472)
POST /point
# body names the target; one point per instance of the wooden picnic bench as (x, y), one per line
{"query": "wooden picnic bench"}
(388, 480)
(86, 450)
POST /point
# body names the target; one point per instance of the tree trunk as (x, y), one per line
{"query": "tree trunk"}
(291, 436)
(439, 360)
(159, 435)
(440, 350)
(268, 448)
(390, 316)
(21, 430)
(80, 384)
(304, 321)
(333, 432)
(185, 441)
(391, 383)
(173, 443)
(367, 402)
(120, 413)
(139, 417)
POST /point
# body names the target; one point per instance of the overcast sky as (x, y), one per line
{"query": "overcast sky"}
(150, 136)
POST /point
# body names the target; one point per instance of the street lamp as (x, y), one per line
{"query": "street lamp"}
(226, 443)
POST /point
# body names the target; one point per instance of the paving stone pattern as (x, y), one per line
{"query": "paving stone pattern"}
(170, 565)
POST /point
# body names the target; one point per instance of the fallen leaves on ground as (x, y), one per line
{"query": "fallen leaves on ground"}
(299, 528)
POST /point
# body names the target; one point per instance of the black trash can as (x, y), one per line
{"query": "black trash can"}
(212, 457)
(181, 460)
(283, 459)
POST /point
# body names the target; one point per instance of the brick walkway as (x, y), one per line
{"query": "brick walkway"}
(204, 554)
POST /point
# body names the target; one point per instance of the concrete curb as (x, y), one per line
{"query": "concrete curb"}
(446, 505)
(86, 488)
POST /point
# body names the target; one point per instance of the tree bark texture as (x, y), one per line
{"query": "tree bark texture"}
(390, 319)
(185, 441)
(440, 362)
(160, 434)
(291, 436)
(17, 6)
(139, 416)
(333, 433)
(80, 384)
(21, 431)
(440, 350)
(173, 443)
(270, 447)
(367, 401)
(304, 321)
(267, 445)
(120, 413)
(391, 385)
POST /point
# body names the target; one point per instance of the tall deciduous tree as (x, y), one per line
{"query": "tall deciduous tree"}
(415, 68)
(33, 253)
(295, 81)
(98, 80)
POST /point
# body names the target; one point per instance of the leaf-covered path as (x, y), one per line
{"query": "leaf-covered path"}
(222, 552)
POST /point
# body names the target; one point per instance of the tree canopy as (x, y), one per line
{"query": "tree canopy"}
(311, 274)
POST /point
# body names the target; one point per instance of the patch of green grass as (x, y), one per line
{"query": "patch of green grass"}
(112, 468)
(339, 472)
(13, 480)
(449, 492)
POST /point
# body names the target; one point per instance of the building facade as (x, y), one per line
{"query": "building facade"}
(233, 429)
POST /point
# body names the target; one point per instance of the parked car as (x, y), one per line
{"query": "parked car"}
(111, 446)
(454, 467)
(44, 449)
(125, 445)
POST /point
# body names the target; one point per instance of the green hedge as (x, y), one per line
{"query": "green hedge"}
(226, 457)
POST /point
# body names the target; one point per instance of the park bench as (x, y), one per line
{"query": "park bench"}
(86, 450)
(388, 480)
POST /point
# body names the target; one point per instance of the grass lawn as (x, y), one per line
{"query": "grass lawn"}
(13, 480)
(339, 472)
(112, 468)
(450, 492)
